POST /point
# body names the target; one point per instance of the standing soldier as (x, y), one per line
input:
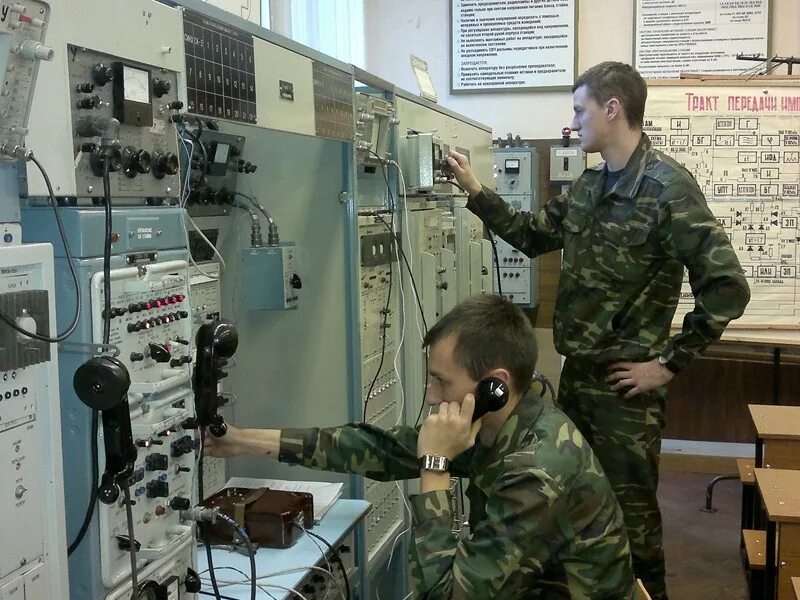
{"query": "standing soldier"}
(628, 228)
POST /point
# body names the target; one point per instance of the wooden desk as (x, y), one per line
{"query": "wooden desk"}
(777, 435)
(796, 586)
(780, 493)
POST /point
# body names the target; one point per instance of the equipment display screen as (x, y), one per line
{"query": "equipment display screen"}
(512, 165)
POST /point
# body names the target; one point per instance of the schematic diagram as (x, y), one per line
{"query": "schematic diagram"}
(747, 163)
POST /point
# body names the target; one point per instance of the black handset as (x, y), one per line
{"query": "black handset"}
(491, 394)
(102, 383)
(216, 342)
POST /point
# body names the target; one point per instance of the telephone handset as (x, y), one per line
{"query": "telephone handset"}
(216, 342)
(491, 394)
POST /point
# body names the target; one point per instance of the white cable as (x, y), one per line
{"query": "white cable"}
(324, 556)
(222, 264)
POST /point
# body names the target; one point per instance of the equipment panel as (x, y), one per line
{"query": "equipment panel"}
(33, 562)
(122, 115)
(151, 326)
(22, 33)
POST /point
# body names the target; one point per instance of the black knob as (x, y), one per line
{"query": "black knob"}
(160, 87)
(179, 503)
(182, 470)
(136, 356)
(165, 163)
(182, 341)
(156, 462)
(250, 168)
(234, 151)
(102, 74)
(89, 102)
(135, 161)
(110, 155)
(175, 105)
(84, 88)
(183, 445)
(159, 353)
(183, 314)
(157, 489)
(192, 582)
(190, 423)
(144, 443)
(296, 282)
(125, 543)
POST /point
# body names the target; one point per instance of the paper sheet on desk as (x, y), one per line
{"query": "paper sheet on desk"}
(325, 494)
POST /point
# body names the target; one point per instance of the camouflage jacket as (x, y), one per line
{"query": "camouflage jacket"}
(624, 258)
(544, 521)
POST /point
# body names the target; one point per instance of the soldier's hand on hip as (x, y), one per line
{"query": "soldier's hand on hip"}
(459, 164)
(637, 378)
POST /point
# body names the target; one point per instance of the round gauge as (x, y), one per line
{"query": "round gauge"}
(136, 83)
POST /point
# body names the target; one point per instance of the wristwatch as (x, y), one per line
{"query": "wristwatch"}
(665, 360)
(436, 464)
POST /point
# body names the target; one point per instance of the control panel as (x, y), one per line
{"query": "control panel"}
(122, 120)
(151, 325)
(33, 565)
(213, 170)
(423, 162)
(385, 519)
(22, 33)
(516, 179)
(380, 322)
(374, 121)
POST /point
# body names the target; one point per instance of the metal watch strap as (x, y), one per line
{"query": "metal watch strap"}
(437, 464)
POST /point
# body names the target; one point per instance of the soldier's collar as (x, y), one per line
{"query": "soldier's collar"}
(630, 180)
(515, 432)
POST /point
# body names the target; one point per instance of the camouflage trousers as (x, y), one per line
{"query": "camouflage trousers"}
(626, 437)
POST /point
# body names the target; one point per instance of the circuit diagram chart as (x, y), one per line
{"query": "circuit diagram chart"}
(742, 145)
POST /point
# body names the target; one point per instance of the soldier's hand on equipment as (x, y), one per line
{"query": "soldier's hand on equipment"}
(638, 378)
(463, 172)
(450, 431)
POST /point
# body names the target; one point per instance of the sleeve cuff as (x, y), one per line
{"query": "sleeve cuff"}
(292, 443)
(431, 506)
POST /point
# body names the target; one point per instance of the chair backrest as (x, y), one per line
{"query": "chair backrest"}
(641, 592)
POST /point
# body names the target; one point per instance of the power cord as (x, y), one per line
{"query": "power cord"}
(334, 556)
(250, 552)
(87, 519)
(70, 260)
(202, 526)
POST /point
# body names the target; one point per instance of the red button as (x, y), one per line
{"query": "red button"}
(160, 510)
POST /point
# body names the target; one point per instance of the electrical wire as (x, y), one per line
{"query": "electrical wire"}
(334, 554)
(240, 573)
(94, 427)
(70, 260)
(250, 552)
(203, 527)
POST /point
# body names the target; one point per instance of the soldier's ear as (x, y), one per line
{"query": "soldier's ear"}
(613, 109)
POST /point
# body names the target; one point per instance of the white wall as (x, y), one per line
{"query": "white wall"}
(247, 9)
(394, 30)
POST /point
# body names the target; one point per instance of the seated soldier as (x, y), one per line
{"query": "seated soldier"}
(544, 522)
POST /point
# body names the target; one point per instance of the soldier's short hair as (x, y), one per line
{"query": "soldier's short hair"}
(492, 333)
(612, 79)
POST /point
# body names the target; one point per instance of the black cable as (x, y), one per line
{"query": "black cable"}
(221, 597)
(243, 574)
(250, 552)
(334, 556)
(197, 142)
(203, 527)
(71, 328)
(87, 519)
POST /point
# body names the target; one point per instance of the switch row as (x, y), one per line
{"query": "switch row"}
(513, 260)
(156, 321)
(510, 275)
(14, 393)
(156, 303)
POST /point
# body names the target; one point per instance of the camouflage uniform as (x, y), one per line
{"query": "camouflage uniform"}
(544, 521)
(623, 263)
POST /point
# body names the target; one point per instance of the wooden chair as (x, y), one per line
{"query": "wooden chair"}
(641, 592)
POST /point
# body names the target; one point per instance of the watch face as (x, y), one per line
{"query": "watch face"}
(136, 83)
